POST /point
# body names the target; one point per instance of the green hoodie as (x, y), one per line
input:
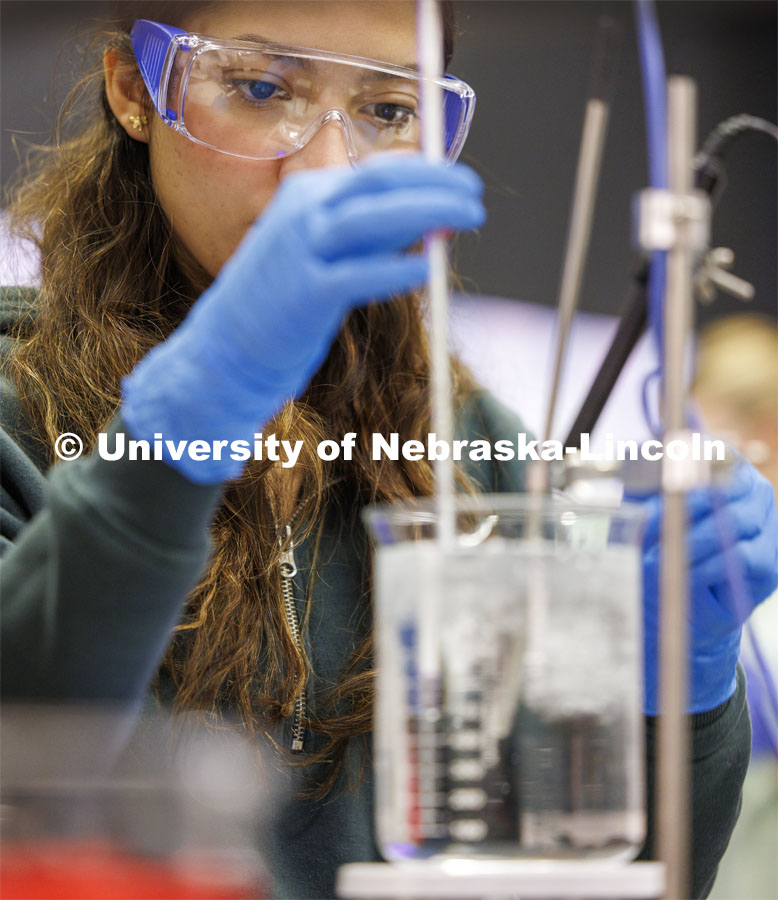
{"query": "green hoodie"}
(99, 556)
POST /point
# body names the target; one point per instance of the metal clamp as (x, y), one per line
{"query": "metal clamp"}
(713, 273)
(666, 221)
(684, 472)
(646, 475)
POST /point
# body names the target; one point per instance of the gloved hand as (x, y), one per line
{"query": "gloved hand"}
(330, 240)
(740, 522)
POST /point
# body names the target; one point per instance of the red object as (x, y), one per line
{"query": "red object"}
(97, 870)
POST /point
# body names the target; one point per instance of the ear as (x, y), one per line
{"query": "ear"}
(125, 93)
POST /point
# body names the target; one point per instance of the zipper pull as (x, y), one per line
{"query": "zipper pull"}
(287, 563)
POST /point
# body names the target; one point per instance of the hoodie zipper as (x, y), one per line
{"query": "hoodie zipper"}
(288, 568)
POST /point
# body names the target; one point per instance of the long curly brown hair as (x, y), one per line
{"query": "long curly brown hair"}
(115, 282)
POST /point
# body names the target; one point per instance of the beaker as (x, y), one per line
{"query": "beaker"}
(509, 690)
(99, 802)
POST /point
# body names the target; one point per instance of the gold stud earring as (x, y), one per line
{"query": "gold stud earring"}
(138, 122)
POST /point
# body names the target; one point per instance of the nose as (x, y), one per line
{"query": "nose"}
(328, 145)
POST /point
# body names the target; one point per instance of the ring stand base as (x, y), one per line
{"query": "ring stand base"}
(455, 878)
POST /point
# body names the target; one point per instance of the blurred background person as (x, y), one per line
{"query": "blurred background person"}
(737, 391)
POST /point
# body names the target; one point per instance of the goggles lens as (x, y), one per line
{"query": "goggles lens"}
(265, 101)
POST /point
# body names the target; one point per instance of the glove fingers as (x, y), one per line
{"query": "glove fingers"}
(391, 221)
(756, 559)
(376, 277)
(388, 171)
(724, 527)
(743, 529)
(702, 503)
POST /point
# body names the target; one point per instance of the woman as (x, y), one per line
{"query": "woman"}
(194, 282)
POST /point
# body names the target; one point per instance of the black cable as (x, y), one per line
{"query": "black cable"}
(632, 324)
(709, 169)
(709, 162)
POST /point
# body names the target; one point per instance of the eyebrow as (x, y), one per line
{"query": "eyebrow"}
(256, 38)
(371, 75)
(306, 64)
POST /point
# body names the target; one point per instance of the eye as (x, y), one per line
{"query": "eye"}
(255, 89)
(393, 114)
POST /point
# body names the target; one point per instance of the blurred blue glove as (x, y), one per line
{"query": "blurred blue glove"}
(741, 522)
(330, 240)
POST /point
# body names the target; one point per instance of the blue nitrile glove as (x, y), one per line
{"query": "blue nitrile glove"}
(741, 521)
(330, 240)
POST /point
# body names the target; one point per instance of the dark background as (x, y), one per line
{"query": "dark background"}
(530, 63)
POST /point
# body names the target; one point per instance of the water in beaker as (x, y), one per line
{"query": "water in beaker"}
(508, 714)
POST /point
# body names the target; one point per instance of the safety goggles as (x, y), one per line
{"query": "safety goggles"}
(265, 101)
